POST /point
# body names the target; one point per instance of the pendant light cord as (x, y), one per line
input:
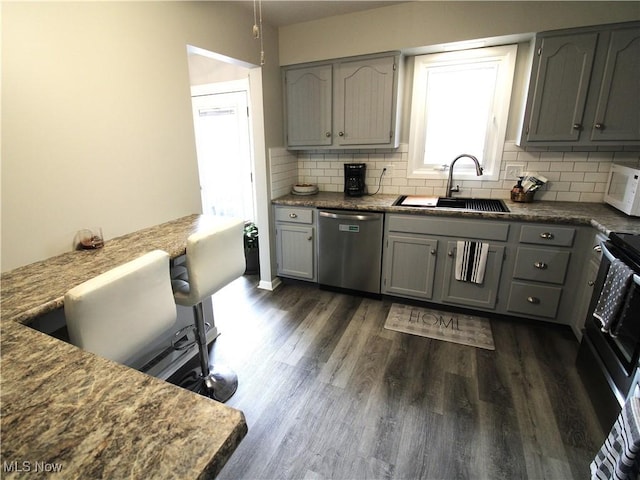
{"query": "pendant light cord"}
(257, 27)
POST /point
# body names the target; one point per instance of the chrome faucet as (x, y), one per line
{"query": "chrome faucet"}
(450, 190)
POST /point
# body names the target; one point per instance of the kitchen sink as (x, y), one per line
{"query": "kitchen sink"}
(461, 203)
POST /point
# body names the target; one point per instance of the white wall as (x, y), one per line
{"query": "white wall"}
(96, 115)
(421, 23)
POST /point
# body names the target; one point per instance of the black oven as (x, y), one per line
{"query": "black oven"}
(608, 360)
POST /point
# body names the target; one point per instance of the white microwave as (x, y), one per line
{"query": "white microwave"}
(622, 189)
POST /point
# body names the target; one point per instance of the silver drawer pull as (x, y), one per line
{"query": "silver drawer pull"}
(540, 265)
(450, 254)
(534, 300)
(309, 238)
(597, 249)
(591, 283)
(293, 215)
(433, 251)
(546, 235)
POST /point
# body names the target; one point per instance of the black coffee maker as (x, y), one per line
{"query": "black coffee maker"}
(354, 175)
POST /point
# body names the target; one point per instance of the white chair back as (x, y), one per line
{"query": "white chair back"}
(215, 257)
(116, 314)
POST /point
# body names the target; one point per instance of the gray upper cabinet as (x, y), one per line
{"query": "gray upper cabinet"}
(309, 96)
(617, 115)
(585, 88)
(365, 101)
(346, 103)
(563, 71)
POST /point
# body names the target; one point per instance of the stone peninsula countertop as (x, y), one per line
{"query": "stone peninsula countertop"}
(602, 217)
(68, 411)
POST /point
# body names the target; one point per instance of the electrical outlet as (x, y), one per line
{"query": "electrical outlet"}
(513, 171)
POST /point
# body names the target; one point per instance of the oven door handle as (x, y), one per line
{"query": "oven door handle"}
(611, 257)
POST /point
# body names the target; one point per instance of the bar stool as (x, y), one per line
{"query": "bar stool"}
(215, 257)
(119, 312)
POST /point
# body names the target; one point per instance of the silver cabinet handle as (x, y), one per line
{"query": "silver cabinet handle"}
(591, 283)
(327, 134)
(577, 126)
(597, 248)
(293, 215)
(599, 126)
(450, 254)
(534, 300)
(540, 265)
(433, 251)
(341, 134)
(310, 238)
(546, 235)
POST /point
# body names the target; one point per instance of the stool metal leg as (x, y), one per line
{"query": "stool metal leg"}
(220, 383)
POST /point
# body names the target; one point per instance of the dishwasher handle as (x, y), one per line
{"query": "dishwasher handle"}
(360, 216)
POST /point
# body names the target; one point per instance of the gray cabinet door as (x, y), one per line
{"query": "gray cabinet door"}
(308, 103)
(563, 69)
(365, 104)
(295, 251)
(618, 110)
(410, 266)
(470, 294)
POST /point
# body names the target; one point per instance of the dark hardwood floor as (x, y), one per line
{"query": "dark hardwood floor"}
(329, 393)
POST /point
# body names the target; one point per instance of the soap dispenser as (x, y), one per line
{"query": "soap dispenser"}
(517, 191)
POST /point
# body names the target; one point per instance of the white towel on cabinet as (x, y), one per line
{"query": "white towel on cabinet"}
(471, 261)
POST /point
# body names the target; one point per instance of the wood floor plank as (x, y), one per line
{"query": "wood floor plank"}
(361, 326)
(303, 337)
(330, 394)
(541, 439)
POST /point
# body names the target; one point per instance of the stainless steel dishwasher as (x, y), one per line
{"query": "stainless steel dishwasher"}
(350, 249)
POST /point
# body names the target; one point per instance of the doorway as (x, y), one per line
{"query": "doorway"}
(223, 146)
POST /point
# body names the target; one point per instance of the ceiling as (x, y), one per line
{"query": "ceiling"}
(280, 13)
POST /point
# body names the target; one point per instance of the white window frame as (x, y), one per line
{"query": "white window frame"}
(505, 58)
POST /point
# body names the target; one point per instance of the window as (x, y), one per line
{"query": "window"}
(460, 104)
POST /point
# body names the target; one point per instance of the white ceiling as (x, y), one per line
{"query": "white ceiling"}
(280, 13)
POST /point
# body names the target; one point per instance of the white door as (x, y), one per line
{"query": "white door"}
(224, 153)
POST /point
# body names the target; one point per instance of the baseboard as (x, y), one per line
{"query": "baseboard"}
(270, 285)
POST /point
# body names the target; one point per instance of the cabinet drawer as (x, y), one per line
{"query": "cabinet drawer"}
(547, 235)
(541, 265)
(294, 215)
(472, 229)
(537, 300)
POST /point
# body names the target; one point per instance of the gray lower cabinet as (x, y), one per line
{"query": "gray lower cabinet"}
(483, 295)
(586, 283)
(419, 259)
(541, 264)
(296, 242)
(533, 270)
(411, 266)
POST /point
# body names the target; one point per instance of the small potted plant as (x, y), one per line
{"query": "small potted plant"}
(251, 252)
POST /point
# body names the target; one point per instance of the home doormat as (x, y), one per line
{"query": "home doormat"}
(448, 326)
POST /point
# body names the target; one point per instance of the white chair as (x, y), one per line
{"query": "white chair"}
(116, 314)
(215, 257)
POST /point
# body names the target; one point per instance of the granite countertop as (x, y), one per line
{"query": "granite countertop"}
(66, 409)
(602, 217)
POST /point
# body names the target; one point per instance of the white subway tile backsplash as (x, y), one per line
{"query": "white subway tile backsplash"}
(568, 197)
(596, 177)
(573, 175)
